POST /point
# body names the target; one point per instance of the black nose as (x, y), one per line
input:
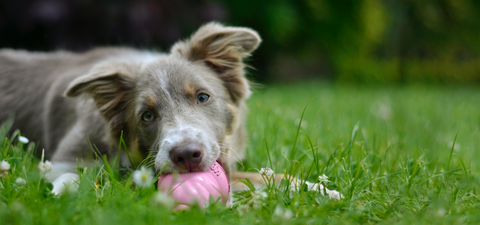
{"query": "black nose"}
(187, 157)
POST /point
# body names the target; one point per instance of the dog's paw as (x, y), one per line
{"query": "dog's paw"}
(66, 181)
(332, 194)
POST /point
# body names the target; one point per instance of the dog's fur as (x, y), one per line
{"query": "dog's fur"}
(65, 100)
(62, 99)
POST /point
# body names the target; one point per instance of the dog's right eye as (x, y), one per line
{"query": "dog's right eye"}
(147, 116)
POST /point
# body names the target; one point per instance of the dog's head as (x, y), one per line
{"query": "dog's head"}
(180, 107)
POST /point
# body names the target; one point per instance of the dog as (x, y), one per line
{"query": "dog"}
(186, 107)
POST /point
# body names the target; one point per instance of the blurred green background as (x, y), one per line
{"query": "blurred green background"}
(387, 41)
(354, 41)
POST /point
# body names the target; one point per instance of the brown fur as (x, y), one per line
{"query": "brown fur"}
(190, 89)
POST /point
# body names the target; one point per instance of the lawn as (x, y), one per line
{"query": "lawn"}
(398, 154)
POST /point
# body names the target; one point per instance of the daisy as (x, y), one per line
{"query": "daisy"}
(242, 209)
(4, 166)
(323, 179)
(23, 139)
(285, 214)
(143, 178)
(258, 199)
(20, 181)
(45, 167)
(266, 172)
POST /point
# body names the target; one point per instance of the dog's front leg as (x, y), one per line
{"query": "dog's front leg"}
(71, 148)
(63, 176)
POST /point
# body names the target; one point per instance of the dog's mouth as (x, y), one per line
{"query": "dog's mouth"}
(220, 162)
(185, 170)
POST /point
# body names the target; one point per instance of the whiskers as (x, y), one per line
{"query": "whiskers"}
(238, 158)
(149, 161)
(222, 145)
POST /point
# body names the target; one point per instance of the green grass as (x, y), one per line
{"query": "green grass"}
(388, 150)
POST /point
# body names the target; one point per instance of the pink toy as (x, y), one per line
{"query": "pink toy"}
(196, 187)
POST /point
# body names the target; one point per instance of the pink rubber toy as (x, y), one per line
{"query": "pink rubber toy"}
(196, 187)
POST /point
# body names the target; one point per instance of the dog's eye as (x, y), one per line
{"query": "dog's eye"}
(202, 98)
(147, 116)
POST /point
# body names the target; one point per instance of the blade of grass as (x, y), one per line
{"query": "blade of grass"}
(122, 143)
(451, 151)
(266, 146)
(463, 166)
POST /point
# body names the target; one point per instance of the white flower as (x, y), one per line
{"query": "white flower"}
(242, 209)
(441, 212)
(23, 139)
(334, 195)
(266, 172)
(278, 211)
(45, 167)
(258, 198)
(162, 199)
(323, 179)
(296, 185)
(20, 181)
(143, 178)
(4, 165)
(285, 214)
(288, 214)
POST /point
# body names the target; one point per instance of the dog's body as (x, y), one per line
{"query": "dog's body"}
(186, 107)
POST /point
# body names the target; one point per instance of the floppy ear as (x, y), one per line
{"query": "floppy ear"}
(108, 84)
(223, 50)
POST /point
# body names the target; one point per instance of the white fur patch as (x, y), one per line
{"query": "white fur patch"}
(142, 58)
(146, 58)
(183, 133)
(163, 80)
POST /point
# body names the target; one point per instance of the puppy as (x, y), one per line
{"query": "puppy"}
(186, 107)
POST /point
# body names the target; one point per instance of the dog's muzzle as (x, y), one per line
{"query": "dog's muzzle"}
(187, 157)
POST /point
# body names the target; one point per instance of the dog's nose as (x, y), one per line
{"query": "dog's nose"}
(187, 156)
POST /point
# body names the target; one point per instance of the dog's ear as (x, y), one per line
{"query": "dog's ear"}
(108, 84)
(223, 50)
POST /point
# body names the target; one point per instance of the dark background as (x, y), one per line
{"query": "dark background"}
(354, 41)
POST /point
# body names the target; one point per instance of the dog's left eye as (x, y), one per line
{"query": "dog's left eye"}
(202, 98)
(147, 116)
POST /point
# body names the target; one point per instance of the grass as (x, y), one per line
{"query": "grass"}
(399, 155)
